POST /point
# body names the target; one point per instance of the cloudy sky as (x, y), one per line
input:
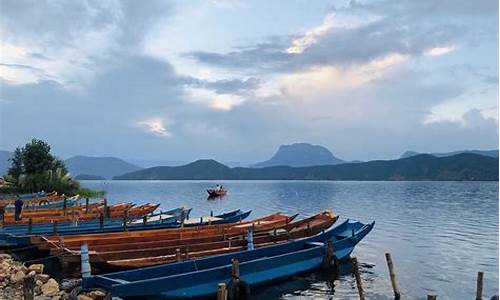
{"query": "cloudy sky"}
(232, 80)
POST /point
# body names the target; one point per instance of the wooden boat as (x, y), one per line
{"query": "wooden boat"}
(135, 255)
(269, 222)
(119, 210)
(216, 192)
(199, 277)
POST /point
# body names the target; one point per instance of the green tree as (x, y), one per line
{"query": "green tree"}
(16, 166)
(33, 168)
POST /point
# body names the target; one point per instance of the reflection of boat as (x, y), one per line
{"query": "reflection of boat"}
(199, 277)
(216, 192)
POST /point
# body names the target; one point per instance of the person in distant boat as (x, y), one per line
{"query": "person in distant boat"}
(220, 188)
(217, 187)
(18, 205)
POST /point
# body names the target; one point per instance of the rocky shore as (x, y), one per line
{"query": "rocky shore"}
(18, 281)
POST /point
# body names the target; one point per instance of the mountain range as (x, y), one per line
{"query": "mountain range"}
(288, 158)
(464, 166)
(491, 153)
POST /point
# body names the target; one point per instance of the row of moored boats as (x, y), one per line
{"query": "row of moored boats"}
(140, 251)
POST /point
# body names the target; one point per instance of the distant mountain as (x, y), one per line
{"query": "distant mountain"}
(491, 153)
(106, 167)
(300, 155)
(4, 161)
(465, 166)
(89, 177)
(200, 169)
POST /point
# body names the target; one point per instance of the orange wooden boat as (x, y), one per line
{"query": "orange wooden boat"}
(276, 220)
(119, 210)
(135, 256)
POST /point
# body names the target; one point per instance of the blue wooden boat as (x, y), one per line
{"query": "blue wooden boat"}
(20, 237)
(200, 277)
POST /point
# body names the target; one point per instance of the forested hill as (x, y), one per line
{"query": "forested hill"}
(464, 166)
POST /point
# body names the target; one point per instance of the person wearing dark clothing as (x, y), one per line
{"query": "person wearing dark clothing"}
(18, 208)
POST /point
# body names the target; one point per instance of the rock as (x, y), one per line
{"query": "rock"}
(5, 256)
(38, 268)
(42, 277)
(39, 283)
(56, 297)
(84, 297)
(51, 288)
(17, 277)
(69, 284)
(31, 274)
(97, 295)
(42, 298)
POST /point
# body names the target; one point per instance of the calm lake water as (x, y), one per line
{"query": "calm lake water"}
(439, 233)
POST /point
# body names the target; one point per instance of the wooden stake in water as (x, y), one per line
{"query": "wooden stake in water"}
(355, 269)
(392, 274)
(221, 291)
(479, 288)
(235, 275)
(431, 297)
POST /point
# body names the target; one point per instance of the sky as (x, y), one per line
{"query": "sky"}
(232, 80)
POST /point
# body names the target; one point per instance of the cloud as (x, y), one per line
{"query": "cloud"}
(156, 126)
(436, 51)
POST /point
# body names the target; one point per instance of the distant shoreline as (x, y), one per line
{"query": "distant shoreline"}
(424, 167)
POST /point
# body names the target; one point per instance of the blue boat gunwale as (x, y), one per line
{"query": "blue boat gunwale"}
(321, 238)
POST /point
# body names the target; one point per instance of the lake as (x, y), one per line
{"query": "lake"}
(440, 234)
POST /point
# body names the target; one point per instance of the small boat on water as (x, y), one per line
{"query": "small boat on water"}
(199, 277)
(217, 192)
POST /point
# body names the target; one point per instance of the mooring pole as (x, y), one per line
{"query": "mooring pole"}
(85, 267)
(392, 274)
(235, 276)
(30, 225)
(178, 254)
(54, 227)
(221, 291)
(65, 206)
(355, 269)
(479, 287)
(250, 245)
(106, 210)
(87, 205)
(101, 221)
(431, 297)
(125, 220)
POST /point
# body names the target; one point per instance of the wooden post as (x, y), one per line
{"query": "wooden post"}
(221, 291)
(355, 269)
(87, 205)
(145, 220)
(28, 288)
(479, 287)
(65, 206)
(30, 225)
(54, 227)
(178, 254)
(85, 261)
(106, 210)
(235, 276)
(101, 221)
(431, 297)
(125, 217)
(392, 274)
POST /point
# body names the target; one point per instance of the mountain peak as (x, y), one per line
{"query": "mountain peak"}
(300, 155)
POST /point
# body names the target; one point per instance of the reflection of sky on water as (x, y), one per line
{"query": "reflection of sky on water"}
(439, 233)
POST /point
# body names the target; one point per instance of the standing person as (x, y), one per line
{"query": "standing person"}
(18, 208)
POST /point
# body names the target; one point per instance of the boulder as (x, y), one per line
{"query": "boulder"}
(42, 277)
(17, 277)
(38, 268)
(39, 283)
(51, 288)
(84, 297)
(97, 295)
(31, 274)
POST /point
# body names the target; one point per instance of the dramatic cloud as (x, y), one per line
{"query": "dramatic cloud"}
(232, 81)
